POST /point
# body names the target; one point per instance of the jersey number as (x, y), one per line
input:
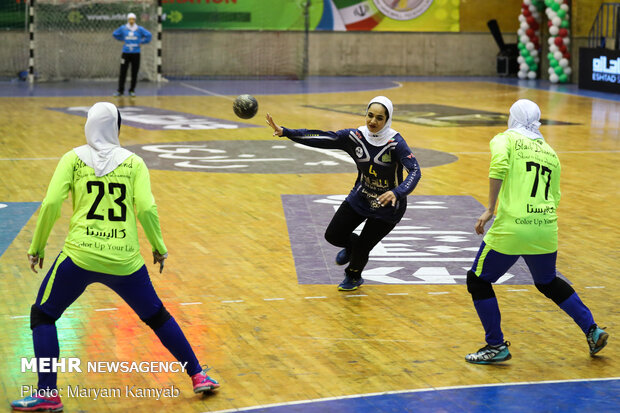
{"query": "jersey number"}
(100, 186)
(539, 169)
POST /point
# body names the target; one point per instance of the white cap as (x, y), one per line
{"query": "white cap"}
(131, 16)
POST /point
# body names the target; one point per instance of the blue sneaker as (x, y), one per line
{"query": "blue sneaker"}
(343, 257)
(490, 354)
(597, 339)
(36, 403)
(350, 284)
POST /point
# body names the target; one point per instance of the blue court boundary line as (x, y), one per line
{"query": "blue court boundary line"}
(354, 396)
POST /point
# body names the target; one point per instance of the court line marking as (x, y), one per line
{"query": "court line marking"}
(519, 290)
(194, 303)
(274, 299)
(438, 292)
(596, 286)
(106, 309)
(232, 301)
(208, 92)
(28, 159)
(353, 396)
(382, 340)
(19, 316)
(313, 298)
(397, 294)
(356, 295)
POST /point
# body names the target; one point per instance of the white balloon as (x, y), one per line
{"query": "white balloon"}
(556, 21)
(558, 55)
(553, 30)
(524, 67)
(553, 48)
(524, 39)
(536, 16)
(531, 74)
(522, 75)
(521, 59)
(551, 71)
(559, 1)
(520, 32)
(566, 40)
(529, 46)
(563, 62)
(524, 26)
(564, 6)
(550, 41)
(521, 18)
(527, 2)
(554, 78)
(534, 53)
(533, 9)
(568, 70)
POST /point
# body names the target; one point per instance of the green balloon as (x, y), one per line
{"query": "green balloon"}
(521, 46)
(561, 13)
(534, 67)
(530, 61)
(525, 52)
(550, 56)
(563, 78)
(558, 70)
(564, 24)
(555, 6)
(553, 62)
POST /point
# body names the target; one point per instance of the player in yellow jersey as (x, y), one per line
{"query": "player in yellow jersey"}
(110, 187)
(525, 176)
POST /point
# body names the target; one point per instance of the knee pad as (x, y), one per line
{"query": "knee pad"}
(38, 317)
(158, 319)
(557, 290)
(479, 289)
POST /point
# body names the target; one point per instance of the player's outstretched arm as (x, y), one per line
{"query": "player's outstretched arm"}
(277, 130)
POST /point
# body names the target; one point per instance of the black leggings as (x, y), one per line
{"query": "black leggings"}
(339, 232)
(134, 60)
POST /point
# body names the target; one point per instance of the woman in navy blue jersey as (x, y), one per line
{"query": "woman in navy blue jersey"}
(379, 195)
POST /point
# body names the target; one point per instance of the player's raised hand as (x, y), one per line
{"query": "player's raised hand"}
(277, 130)
(34, 260)
(484, 218)
(159, 258)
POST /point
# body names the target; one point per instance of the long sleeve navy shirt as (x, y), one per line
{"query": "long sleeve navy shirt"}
(379, 168)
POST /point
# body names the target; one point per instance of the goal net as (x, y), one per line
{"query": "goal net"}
(73, 38)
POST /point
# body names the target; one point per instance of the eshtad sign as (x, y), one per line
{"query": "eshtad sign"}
(599, 69)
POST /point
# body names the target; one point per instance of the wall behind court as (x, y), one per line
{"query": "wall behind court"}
(470, 52)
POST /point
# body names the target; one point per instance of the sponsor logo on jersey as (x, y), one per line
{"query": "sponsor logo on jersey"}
(359, 152)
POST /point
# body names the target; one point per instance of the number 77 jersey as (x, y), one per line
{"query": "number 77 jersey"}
(103, 234)
(526, 221)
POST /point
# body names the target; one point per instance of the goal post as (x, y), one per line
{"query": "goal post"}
(72, 39)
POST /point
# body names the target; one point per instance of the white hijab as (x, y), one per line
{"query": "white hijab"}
(386, 133)
(133, 26)
(524, 118)
(103, 152)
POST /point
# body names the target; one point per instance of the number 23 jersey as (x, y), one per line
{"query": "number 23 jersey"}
(526, 221)
(103, 235)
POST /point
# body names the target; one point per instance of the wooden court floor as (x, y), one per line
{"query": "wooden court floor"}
(231, 280)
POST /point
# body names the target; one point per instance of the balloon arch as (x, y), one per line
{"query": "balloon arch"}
(529, 39)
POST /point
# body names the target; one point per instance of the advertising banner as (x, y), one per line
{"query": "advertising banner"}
(599, 69)
(324, 15)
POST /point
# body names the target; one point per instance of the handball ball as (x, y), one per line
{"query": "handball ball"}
(245, 106)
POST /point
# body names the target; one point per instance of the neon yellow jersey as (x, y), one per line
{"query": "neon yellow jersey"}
(103, 235)
(526, 221)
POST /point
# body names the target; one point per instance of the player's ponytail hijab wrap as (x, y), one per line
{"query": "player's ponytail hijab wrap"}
(386, 133)
(103, 152)
(524, 118)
